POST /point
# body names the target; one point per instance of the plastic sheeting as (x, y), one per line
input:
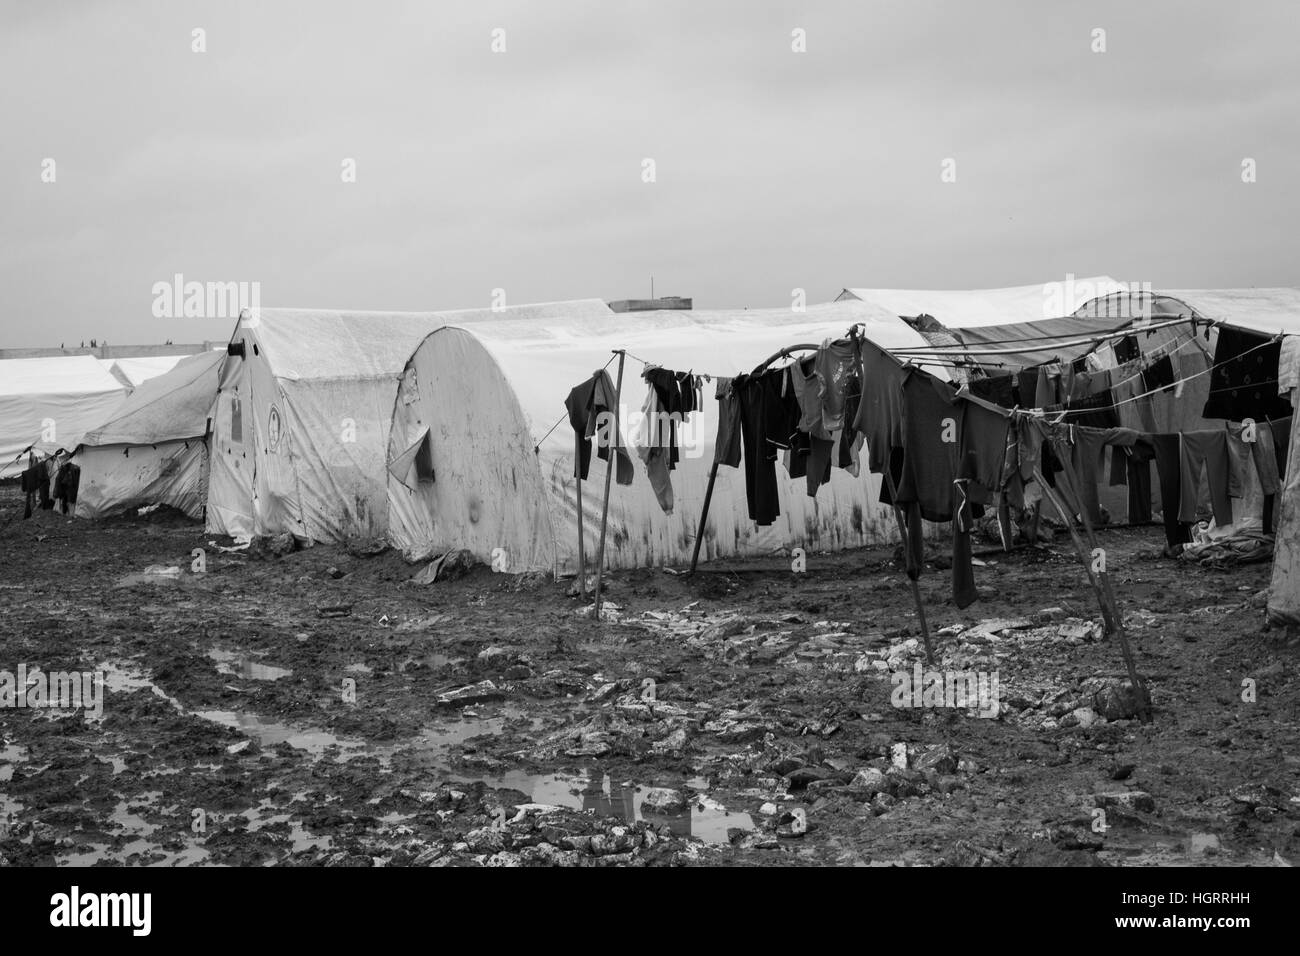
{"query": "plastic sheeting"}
(151, 450)
(49, 403)
(174, 405)
(117, 478)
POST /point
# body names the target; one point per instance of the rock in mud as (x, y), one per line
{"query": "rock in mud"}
(1127, 800)
(665, 800)
(672, 745)
(471, 694)
(262, 547)
(1119, 700)
(365, 547)
(940, 759)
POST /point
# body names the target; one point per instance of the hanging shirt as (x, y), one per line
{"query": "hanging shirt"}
(1288, 364)
(727, 448)
(1245, 382)
(833, 366)
(880, 410)
(932, 430)
(589, 405)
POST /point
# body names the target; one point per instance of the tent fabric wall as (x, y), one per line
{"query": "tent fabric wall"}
(486, 494)
(117, 478)
(151, 450)
(304, 415)
(544, 361)
(230, 465)
(1284, 587)
(49, 403)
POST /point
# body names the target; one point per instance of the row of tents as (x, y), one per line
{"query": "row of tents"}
(322, 424)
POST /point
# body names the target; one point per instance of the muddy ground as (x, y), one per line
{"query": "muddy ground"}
(229, 734)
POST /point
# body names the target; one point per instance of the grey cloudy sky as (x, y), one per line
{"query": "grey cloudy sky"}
(522, 170)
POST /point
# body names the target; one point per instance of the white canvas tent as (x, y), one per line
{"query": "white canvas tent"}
(490, 491)
(48, 403)
(152, 449)
(311, 435)
(300, 434)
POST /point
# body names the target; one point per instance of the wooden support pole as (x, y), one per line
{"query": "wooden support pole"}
(1100, 583)
(614, 440)
(916, 587)
(582, 553)
(704, 516)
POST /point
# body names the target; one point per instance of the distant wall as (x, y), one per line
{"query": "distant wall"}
(112, 351)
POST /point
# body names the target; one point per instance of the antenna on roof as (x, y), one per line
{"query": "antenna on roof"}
(652, 287)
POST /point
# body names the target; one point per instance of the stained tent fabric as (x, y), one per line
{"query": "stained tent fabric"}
(48, 403)
(152, 449)
(300, 435)
(540, 362)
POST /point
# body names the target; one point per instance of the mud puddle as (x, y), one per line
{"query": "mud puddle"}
(141, 844)
(239, 665)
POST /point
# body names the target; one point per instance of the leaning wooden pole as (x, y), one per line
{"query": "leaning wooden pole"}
(582, 552)
(614, 440)
(704, 516)
(1101, 585)
(916, 587)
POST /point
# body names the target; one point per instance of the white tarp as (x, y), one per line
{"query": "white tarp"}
(49, 403)
(151, 450)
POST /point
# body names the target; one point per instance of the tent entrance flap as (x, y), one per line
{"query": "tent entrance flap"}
(415, 463)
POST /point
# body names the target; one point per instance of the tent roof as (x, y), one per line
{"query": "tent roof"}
(1268, 311)
(141, 369)
(1036, 342)
(967, 308)
(62, 375)
(329, 344)
(543, 360)
(170, 407)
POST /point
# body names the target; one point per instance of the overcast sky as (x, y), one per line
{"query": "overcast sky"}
(523, 170)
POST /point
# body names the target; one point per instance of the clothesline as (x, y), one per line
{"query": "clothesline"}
(1161, 388)
(907, 359)
(1138, 374)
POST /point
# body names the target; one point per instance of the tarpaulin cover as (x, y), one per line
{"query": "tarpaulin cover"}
(151, 450)
(49, 403)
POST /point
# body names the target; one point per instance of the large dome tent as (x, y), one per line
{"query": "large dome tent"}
(541, 361)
